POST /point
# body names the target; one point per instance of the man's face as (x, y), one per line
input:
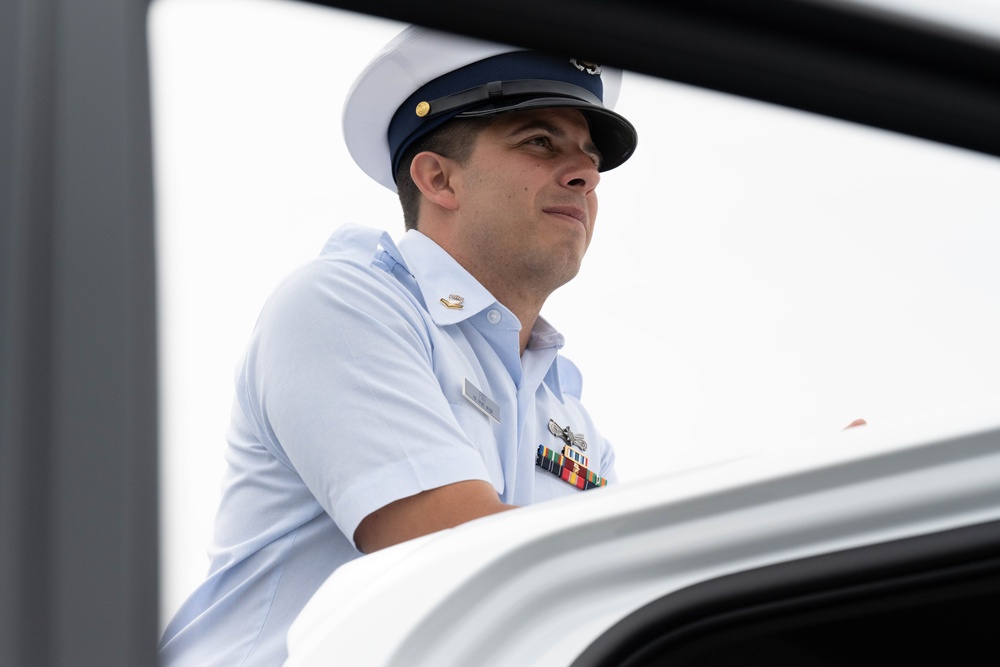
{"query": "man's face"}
(527, 198)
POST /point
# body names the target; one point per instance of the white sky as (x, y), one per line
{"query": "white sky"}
(759, 276)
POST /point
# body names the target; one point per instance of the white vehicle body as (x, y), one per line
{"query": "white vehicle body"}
(539, 585)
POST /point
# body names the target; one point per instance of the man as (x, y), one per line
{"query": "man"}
(393, 390)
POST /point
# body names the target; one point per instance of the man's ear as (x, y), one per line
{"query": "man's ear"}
(432, 174)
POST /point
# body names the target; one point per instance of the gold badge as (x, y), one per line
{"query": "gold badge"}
(454, 301)
(423, 109)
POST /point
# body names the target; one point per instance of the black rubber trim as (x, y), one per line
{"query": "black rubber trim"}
(839, 59)
(928, 565)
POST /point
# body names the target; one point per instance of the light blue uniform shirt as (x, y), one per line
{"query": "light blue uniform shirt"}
(350, 397)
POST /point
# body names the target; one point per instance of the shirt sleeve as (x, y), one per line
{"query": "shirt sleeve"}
(338, 382)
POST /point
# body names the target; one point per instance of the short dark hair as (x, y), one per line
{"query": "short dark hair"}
(454, 140)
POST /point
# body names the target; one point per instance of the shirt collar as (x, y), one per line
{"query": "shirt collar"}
(545, 335)
(440, 277)
(451, 294)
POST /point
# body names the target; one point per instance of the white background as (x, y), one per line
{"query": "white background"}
(758, 277)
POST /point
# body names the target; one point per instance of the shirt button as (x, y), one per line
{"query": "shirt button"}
(493, 316)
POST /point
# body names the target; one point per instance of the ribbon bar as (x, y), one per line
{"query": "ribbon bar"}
(569, 471)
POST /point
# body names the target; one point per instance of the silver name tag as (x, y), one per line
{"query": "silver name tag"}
(481, 401)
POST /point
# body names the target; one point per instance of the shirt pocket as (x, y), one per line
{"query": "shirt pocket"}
(478, 429)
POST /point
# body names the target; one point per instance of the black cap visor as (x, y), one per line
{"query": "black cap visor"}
(613, 135)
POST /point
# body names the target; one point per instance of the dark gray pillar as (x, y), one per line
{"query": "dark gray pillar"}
(78, 488)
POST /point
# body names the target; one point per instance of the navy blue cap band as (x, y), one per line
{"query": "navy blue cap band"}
(507, 82)
(494, 91)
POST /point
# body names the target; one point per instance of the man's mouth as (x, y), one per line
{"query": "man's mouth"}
(574, 212)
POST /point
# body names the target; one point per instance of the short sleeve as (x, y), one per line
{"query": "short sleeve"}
(338, 382)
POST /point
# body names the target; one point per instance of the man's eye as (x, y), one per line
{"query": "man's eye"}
(540, 141)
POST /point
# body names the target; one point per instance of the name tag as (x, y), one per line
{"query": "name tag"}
(486, 404)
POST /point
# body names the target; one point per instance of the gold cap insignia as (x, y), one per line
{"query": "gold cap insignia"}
(586, 66)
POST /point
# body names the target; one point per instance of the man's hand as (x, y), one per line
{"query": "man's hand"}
(427, 512)
(856, 422)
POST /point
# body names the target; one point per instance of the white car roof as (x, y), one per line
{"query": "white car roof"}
(536, 586)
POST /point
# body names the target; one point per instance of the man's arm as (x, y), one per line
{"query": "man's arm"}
(427, 512)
